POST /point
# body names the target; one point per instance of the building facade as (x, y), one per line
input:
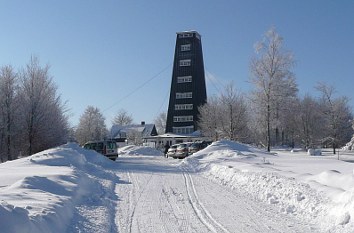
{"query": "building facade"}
(188, 90)
(132, 134)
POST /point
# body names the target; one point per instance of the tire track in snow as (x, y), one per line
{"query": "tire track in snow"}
(169, 205)
(137, 192)
(165, 198)
(203, 214)
(132, 203)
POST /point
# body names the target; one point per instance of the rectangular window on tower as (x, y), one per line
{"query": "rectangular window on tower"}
(183, 106)
(184, 95)
(183, 130)
(184, 79)
(185, 47)
(185, 35)
(185, 62)
(182, 118)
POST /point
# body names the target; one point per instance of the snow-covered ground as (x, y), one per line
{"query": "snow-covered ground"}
(318, 189)
(227, 187)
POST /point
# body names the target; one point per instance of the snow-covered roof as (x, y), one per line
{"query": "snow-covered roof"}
(146, 130)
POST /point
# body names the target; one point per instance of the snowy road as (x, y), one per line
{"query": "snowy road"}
(227, 187)
(161, 195)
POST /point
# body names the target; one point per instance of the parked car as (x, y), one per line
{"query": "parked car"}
(181, 151)
(171, 151)
(107, 148)
(197, 146)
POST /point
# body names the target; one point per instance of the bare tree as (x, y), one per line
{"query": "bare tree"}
(272, 79)
(209, 118)
(8, 108)
(134, 137)
(233, 116)
(310, 122)
(91, 126)
(122, 118)
(42, 111)
(160, 122)
(224, 116)
(338, 117)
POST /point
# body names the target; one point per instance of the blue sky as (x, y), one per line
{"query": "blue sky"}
(118, 54)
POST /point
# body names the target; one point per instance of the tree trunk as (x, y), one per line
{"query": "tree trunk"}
(268, 127)
(8, 141)
(30, 135)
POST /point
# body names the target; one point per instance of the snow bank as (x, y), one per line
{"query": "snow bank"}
(224, 150)
(38, 193)
(325, 198)
(138, 151)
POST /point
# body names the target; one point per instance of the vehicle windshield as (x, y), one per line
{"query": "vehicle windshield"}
(111, 145)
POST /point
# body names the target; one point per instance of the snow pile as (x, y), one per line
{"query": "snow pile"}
(138, 151)
(316, 189)
(224, 149)
(38, 192)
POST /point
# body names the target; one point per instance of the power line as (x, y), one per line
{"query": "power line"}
(163, 102)
(138, 88)
(212, 82)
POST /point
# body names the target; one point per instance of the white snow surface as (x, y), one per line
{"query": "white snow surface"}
(227, 187)
(138, 150)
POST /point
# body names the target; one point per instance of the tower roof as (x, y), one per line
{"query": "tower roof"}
(191, 31)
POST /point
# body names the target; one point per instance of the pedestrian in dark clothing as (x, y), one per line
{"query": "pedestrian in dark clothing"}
(166, 149)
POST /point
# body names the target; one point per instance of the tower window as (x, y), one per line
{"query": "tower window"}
(185, 47)
(182, 118)
(184, 95)
(185, 35)
(186, 62)
(183, 130)
(184, 79)
(183, 106)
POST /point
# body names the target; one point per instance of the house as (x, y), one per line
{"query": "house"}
(159, 141)
(132, 134)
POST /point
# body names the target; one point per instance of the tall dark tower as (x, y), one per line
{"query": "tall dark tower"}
(188, 90)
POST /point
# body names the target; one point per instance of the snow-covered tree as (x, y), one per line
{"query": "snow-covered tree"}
(134, 137)
(91, 126)
(43, 121)
(224, 116)
(209, 118)
(274, 83)
(287, 130)
(233, 115)
(8, 111)
(160, 122)
(338, 117)
(122, 118)
(310, 122)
